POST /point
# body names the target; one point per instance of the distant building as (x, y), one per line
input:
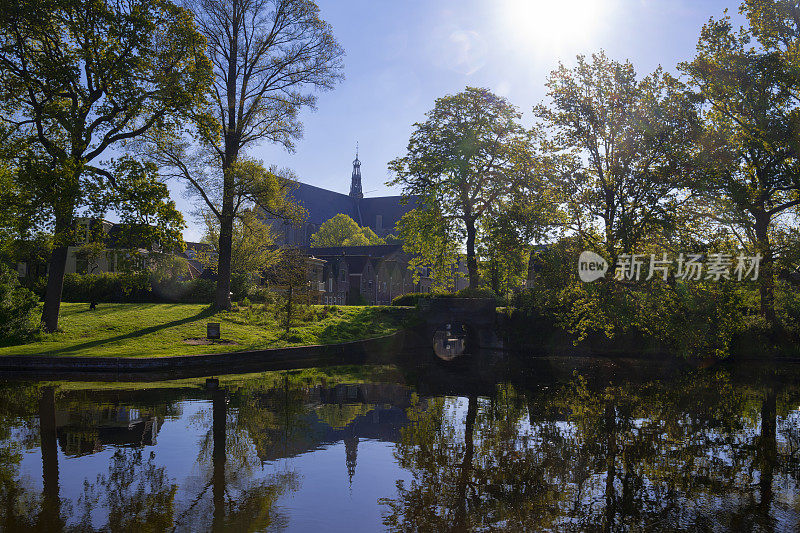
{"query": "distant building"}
(366, 274)
(374, 275)
(114, 256)
(381, 214)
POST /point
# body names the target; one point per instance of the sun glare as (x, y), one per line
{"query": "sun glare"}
(551, 25)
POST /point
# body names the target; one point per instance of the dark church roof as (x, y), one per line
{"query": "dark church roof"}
(323, 204)
(391, 208)
(380, 214)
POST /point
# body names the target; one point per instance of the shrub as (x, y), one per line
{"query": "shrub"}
(411, 299)
(119, 287)
(242, 285)
(476, 293)
(262, 295)
(107, 287)
(198, 291)
(16, 305)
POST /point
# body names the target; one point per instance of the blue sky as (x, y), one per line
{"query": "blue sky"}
(402, 55)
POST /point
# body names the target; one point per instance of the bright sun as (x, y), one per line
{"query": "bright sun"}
(551, 25)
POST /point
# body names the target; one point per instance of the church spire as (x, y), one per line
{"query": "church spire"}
(355, 181)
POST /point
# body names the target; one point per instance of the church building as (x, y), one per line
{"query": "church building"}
(380, 214)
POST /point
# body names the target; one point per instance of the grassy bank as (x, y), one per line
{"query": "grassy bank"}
(160, 330)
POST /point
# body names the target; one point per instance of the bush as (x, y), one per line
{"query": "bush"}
(476, 293)
(242, 285)
(264, 295)
(198, 291)
(411, 299)
(107, 287)
(16, 305)
(122, 287)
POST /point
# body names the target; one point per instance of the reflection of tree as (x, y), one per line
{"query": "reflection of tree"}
(235, 498)
(492, 477)
(136, 495)
(695, 453)
(18, 503)
(49, 519)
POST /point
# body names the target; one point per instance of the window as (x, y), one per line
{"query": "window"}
(379, 222)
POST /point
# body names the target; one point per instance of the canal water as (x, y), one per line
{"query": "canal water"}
(559, 445)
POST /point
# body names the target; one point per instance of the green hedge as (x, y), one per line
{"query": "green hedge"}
(121, 287)
(411, 299)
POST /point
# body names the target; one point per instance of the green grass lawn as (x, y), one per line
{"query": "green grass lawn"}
(159, 330)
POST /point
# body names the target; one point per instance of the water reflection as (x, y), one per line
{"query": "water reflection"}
(432, 449)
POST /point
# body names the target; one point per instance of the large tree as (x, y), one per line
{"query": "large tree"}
(620, 147)
(468, 156)
(268, 56)
(748, 79)
(77, 77)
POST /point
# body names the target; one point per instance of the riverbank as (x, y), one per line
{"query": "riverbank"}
(179, 330)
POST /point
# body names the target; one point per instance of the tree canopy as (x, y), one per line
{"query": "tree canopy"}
(462, 162)
(750, 152)
(622, 145)
(79, 77)
(342, 230)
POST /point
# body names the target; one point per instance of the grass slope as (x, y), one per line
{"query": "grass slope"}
(159, 330)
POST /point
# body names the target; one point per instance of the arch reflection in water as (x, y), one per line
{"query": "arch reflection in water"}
(450, 341)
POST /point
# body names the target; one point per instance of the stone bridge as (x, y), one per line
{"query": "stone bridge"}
(460, 326)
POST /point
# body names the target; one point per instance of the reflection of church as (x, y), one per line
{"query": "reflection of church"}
(380, 214)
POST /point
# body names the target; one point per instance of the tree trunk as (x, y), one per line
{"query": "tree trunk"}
(460, 518)
(49, 519)
(232, 145)
(472, 262)
(219, 419)
(289, 296)
(768, 450)
(611, 466)
(223, 296)
(766, 271)
(55, 275)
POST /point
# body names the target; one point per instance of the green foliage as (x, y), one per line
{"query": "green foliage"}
(481, 292)
(81, 77)
(16, 305)
(135, 287)
(749, 177)
(410, 299)
(289, 277)
(433, 250)
(462, 163)
(252, 246)
(275, 58)
(148, 218)
(619, 147)
(342, 230)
